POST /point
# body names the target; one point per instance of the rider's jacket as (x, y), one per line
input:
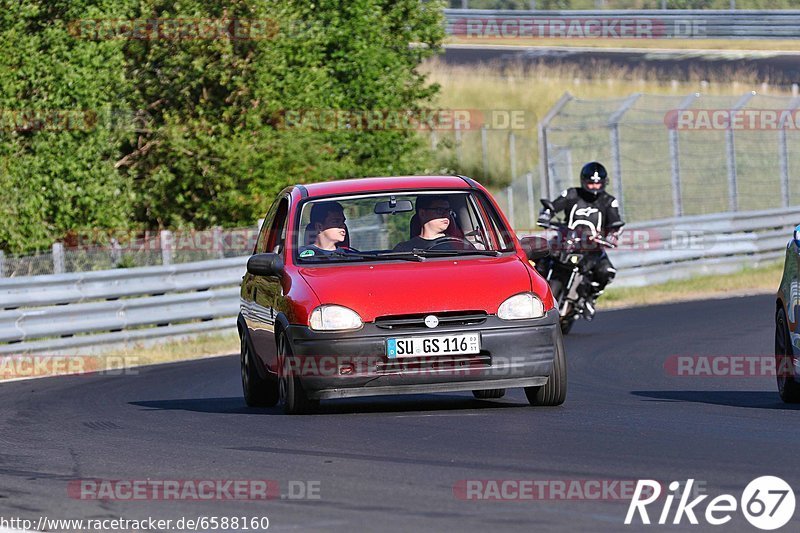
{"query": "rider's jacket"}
(582, 208)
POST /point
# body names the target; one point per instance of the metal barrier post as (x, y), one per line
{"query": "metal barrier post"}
(58, 258)
(166, 247)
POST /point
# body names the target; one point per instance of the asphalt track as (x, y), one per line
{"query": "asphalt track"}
(777, 67)
(390, 464)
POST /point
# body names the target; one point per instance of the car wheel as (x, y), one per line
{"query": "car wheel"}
(788, 388)
(554, 392)
(294, 398)
(489, 394)
(258, 392)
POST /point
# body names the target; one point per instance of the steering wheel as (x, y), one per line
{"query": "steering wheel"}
(466, 245)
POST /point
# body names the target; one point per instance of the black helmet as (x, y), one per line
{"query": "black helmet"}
(593, 172)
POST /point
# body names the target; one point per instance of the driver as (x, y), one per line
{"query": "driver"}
(435, 216)
(590, 207)
(328, 222)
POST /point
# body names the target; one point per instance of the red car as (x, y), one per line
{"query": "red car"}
(395, 285)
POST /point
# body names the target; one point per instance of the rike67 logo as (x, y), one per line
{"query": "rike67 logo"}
(767, 502)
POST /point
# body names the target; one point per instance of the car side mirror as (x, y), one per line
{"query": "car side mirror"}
(265, 265)
(535, 247)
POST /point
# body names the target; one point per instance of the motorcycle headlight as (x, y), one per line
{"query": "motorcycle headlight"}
(334, 318)
(521, 306)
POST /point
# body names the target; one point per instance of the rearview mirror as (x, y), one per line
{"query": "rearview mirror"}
(535, 247)
(265, 265)
(390, 208)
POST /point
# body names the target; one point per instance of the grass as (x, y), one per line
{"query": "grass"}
(632, 44)
(763, 280)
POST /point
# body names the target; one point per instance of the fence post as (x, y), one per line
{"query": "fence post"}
(218, 244)
(512, 156)
(458, 142)
(485, 152)
(783, 152)
(2, 264)
(433, 140)
(544, 164)
(531, 207)
(675, 158)
(613, 123)
(58, 258)
(166, 247)
(510, 197)
(730, 146)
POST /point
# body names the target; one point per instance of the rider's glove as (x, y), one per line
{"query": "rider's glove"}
(612, 238)
(544, 216)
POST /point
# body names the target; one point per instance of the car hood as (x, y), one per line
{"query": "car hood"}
(383, 289)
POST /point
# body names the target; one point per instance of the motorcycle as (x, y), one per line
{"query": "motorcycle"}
(568, 264)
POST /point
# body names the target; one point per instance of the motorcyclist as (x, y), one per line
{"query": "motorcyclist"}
(593, 208)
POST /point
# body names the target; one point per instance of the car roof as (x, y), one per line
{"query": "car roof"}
(389, 183)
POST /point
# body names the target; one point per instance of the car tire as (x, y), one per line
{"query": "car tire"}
(788, 387)
(554, 392)
(489, 394)
(258, 392)
(294, 397)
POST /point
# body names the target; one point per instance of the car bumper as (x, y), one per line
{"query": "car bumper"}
(338, 365)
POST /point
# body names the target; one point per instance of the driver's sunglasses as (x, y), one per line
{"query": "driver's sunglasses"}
(444, 212)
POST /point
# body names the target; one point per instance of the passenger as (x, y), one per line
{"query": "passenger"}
(328, 222)
(435, 217)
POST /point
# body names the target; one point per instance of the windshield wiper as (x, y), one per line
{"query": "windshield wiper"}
(337, 255)
(447, 253)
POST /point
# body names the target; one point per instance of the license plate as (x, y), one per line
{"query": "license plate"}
(441, 345)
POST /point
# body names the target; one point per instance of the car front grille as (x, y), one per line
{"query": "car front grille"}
(451, 318)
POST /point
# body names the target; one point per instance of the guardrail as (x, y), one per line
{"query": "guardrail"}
(47, 314)
(645, 24)
(69, 311)
(689, 246)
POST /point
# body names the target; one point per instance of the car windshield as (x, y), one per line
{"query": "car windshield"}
(399, 226)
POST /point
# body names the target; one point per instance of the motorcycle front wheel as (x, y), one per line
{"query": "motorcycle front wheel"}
(567, 320)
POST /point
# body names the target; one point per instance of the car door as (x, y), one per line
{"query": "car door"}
(266, 290)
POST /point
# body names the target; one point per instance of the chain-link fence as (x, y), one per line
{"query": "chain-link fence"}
(136, 250)
(673, 156)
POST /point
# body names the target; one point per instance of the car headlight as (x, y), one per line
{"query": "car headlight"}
(520, 306)
(334, 318)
